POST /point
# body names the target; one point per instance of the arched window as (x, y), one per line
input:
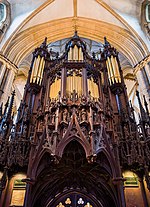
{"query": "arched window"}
(147, 13)
(4, 17)
(75, 199)
(2, 12)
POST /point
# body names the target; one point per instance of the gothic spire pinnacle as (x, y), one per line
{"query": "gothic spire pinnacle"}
(142, 111)
(76, 33)
(11, 104)
(6, 106)
(44, 44)
(106, 43)
(146, 107)
(1, 110)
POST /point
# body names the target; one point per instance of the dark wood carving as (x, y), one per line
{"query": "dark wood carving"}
(75, 141)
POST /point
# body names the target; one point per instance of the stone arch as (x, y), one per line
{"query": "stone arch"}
(109, 161)
(72, 174)
(42, 159)
(69, 193)
(25, 41)
(65, 142)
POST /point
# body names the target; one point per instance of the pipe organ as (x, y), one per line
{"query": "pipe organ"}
(74, 82)
(75, 54)
(75, 130)
(55, 88)
(37, 70)
(113, 70)
(93, 88)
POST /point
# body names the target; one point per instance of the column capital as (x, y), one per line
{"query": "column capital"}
(9, 63)
(141, 64)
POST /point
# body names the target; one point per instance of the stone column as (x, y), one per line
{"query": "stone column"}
(143, 192)
(147, 68)
(143, 83)
(142, 72)
(2, 72)
(8, 85)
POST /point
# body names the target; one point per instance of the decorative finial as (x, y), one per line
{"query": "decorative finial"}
(143, 114)
(44, 44)
(106, 43)
(11, 104)
(6, 105)
(76, 34)
(146, 104)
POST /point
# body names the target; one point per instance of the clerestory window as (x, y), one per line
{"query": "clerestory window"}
(2, 13)
(147, 12)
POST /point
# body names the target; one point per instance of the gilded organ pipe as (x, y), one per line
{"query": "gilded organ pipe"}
(36, 69)
(33, 68)
(55, 88)
(70, 54)
(40, 69)
(75, 53)
(73, 81)
(71, 84)
(117, 70)
(108, 70)
(96, 90)
(111, 70)
(93, 88)
(80, 54)
(80, 85)
(114, 69)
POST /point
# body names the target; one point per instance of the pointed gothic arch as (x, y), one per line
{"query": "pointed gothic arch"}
(58, 182)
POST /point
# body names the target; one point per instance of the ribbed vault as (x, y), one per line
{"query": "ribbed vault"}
(58, 19)
(26, 41)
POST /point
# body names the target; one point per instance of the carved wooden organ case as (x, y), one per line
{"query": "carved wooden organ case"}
(81, 99)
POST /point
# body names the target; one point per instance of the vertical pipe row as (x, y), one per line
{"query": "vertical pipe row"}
(75, 54)
(113, 70)
(37, 70)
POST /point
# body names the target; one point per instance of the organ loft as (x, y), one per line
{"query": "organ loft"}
(75, 134)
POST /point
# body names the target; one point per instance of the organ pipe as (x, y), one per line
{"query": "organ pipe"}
(113, 70)
(40, 69)
(37, 70)
(55, 88)
(70, 54)
(74, 82)
(75, 53)
(93, 88)
(117, 70)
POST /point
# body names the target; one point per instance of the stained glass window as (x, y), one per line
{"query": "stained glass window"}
(75, 201)
(2, 12)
